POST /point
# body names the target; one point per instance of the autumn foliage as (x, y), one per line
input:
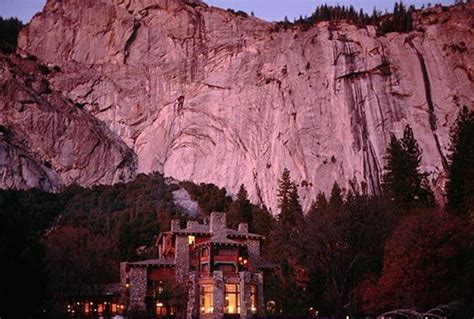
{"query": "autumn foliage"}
(427, 261)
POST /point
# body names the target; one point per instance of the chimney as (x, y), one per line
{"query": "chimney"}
(191, 224)
(218, 222)
(175, 225)
(244, 227)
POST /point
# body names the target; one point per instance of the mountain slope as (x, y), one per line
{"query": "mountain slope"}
(47, 141)
(203, 94)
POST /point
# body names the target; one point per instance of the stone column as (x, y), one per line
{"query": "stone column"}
(253, 246)
(182, 258)
(260, 295)
(245, 306)
(218, 294)
(137, 288)
(124, 298)
(218, 222)
(192, 310)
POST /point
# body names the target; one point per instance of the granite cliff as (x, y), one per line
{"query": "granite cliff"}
(203, 94)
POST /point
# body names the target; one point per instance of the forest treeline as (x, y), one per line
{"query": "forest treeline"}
(350, 254)
(9, 29)
(400, 20)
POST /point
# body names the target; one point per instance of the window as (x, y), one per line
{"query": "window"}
(253, 299)
(206, 303)
(232, 300)
(191, 240)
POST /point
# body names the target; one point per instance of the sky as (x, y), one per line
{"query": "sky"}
(270, 10)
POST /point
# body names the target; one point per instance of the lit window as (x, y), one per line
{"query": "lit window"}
(206, 302)
(191, 240)
(253, 299)
(232, 300)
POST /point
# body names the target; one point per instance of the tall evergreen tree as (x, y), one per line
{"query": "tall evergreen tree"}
(318, 207)
(240, 211)
(281, 249)
(291, 212)
(460, 187)
(336, 200)
(9, 29)
(403, 183)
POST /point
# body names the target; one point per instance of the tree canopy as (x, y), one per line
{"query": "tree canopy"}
(403, 183)
(460, 186)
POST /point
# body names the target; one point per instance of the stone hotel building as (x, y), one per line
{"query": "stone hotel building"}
(220, 268)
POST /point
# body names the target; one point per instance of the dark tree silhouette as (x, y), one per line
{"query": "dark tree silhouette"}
(460, 187)
(403, 183)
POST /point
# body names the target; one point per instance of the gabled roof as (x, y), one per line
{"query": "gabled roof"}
(238, 233)
(221, 238)
(199, 229)
(194, 229)
(154, 262)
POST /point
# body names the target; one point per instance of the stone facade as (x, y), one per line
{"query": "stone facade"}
(138, 288)
(182, 258)
(218, 294)
(260, 296)
(218, 222)
(253, 248)
(245, 305)
(192, 309)
(219, 267)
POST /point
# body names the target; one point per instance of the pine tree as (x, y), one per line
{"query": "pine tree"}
(336, 200)
(318, 207)
(291, 212)
(240, 211)
(295, 210)
(284, 188)
(460, 187)
(403, 183)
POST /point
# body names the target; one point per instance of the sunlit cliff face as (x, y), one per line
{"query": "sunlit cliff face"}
(202, 94)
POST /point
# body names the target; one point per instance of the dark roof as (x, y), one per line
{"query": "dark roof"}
(153, 262)
(238, 233)
(205, 230)
(221, 238)
(194, 229)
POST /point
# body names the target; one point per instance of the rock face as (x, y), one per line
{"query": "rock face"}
(206, 95)
(46, 141)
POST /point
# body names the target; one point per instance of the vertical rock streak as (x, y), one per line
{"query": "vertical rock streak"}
(210, 96)
(356, 104)
(429, 101)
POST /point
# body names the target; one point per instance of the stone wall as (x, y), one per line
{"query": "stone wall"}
(244, 227)
(124, 298)
(192, 310)
(245, 305)
(260, 295)
(182, 258)
(253, 246)
(218, 295)
(138, 282)
(218, 222)
(175, 225)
